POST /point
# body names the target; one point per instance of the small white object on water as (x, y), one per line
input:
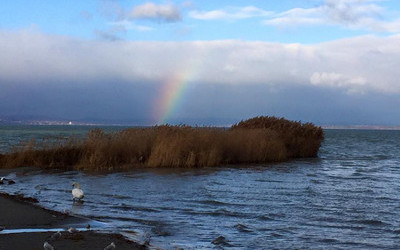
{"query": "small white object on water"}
(77, 192)
(47, 246)
(110, 247)
(72, 230)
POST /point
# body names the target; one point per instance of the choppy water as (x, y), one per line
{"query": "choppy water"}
(349, 197)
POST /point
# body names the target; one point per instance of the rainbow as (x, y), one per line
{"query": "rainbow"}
(172, 92)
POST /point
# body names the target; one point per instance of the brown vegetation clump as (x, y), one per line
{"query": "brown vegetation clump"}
(257, 140)
(301, 140)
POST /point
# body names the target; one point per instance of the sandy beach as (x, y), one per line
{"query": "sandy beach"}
(18, 213)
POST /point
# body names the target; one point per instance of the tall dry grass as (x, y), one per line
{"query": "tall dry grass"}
(301, 140)
(257, 140)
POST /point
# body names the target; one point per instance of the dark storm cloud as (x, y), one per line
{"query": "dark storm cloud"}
(110, 102)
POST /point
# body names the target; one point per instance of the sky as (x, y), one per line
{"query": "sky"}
(330, 62)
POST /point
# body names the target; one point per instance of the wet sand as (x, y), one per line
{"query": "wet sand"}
(21, 213)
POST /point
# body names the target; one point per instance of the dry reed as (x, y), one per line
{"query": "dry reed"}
(257, 140)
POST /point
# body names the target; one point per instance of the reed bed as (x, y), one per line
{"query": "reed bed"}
(257, 140)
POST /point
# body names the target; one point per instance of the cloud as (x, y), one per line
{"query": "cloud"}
(354, 14)
(336, 80)
(296, 16)
(351, 11)
(116, 29)
(366, 64)
(128, 25)
(109, 35)
(350, 81)
(161, 12)
(230, 13)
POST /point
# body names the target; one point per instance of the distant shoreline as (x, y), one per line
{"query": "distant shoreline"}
(89, 124)
(361, 127)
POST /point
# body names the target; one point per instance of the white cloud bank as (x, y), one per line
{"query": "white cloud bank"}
(354, 14)
(230, 13)
(357, 65)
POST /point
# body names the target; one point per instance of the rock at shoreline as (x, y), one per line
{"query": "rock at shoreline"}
(221, 241)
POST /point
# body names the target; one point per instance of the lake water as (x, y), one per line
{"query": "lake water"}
(349, 197)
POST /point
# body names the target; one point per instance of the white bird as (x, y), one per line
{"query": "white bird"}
(110, 247)
(77, 192)
(4, 180)
(47, 246)
(72, 230)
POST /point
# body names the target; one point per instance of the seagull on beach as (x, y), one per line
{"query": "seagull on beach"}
(110, 247)
(47, 246)
(77, 193)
